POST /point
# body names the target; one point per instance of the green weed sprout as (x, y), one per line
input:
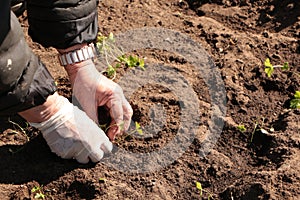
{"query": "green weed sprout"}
(269, 68)
(128, 134)
(137, 129)
(38, 192)
(295, 103)
(106, 47)
(259, 126)
(241, 128)
(201, 190)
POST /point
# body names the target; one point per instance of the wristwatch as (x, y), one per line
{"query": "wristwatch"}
(78, 55)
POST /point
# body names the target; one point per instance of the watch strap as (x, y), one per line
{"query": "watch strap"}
(78, 55)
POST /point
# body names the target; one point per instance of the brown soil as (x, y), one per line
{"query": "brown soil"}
(239, 36)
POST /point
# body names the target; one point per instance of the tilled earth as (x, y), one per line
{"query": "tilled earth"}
(254, 164)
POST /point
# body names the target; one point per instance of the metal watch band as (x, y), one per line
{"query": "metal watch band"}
(77, 55)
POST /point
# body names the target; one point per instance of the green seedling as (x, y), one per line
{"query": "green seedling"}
(269, 68)
(132, 61)
(295, 103)
(259, 126)
(201, 190)
(38, 192)
(137, 129)
(129, 133)
(106, 47)
(241, 128)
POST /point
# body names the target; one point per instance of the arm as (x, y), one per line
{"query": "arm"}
(72, 25)
(21, 72)
(27, 88)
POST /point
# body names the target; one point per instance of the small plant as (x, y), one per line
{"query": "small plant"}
(130, 132)
(136, 129)
(106, 47)
(259, 126)
(18, 128)
(241, 128)
(295, 103)
(132, 61)
(38, 192)
(199, 187)
(22, 130)
(269, 68)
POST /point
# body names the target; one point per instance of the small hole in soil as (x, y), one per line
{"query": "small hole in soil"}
(267, 150)
(245, 192)
(79, 190)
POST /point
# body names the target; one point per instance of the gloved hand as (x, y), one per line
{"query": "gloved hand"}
(92, 90)
(69, 132)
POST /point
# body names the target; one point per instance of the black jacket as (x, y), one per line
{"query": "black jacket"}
(24, 81)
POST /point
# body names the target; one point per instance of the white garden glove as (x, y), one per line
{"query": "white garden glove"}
(70, 133)
(93, 90)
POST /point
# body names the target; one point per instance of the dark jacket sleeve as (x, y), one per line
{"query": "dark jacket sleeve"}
(62, 23)
(24, 80)
(5, 19)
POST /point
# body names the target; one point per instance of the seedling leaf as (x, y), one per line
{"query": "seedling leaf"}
(295, 103)
(35, 189)
(241, 128)
(268, 63)
(111, 37)
(269, 71)
(111, 71)
(199, 187)
(297, 95)
(285, 66)
(39, 196)
(268, 67)
(137, 125)
(138, 128)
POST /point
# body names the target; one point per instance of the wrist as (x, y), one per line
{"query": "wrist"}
(73, 69)
(43, 112)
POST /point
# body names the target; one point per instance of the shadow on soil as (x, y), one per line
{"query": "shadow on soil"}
(33, 162)
(280, 13)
